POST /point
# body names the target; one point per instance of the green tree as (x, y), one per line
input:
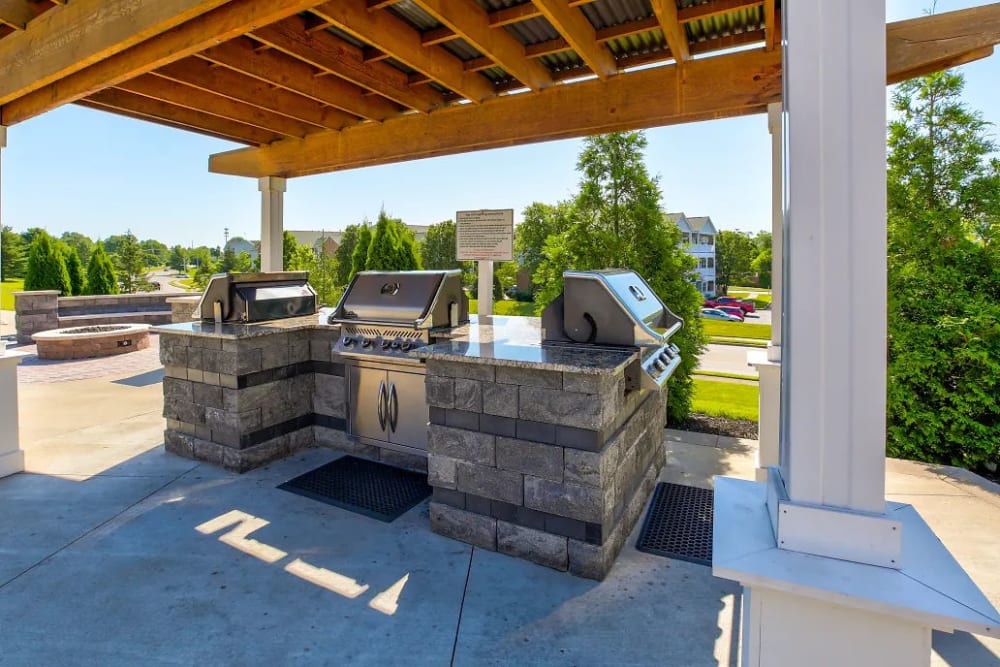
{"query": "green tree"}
(79, 242)
(734, 254)
(943, 278)
(46, 266)
(617, 222)
(30, 234)
(100, 273)
(761, 264)
(359, 258)
(392, 247)
(74, 267)
(348, 241)
(157, 253)
(130, 262)
(324, 276)
(178, 258)
(13, 261)
(289, 247)
(539, 222)
(438, 249)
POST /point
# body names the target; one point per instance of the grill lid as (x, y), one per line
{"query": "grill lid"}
(609, 307)
(421, 299)
(257, 297)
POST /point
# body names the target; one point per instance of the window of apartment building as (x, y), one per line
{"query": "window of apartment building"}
(711, 262)
(685, 237)
(711, 285)
(706, 239)
(699, 285)
(701, 263)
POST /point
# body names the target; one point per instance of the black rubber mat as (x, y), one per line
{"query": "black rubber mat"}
(374, 489)
(679, 524)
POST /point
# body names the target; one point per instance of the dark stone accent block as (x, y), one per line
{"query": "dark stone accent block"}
(438, 415)
(492, 424)
(478, 504)
(462, 419)
(537, 431)
(560, 525)
(449, 497)
(330, 422)
(580, 438)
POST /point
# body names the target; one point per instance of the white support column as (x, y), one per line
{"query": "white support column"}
(768, 364)
(272, 226)
(834, 358)
(11, 456)
(485, 293)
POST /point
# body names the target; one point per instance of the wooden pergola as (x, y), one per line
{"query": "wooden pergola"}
(315, 87)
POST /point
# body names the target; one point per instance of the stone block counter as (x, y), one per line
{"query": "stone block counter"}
(544, 453)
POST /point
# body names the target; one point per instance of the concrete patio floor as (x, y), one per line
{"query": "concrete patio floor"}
(113, 552)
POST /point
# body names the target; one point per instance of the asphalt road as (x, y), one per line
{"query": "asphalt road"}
(164, 278)
(727, 359)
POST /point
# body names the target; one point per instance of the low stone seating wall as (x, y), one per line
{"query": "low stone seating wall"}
(45, 310)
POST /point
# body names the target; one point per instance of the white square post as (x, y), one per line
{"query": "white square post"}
(272, 225)
(11, 456)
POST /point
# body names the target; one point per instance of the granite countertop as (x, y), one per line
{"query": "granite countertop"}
(517, 342)
(236, 330)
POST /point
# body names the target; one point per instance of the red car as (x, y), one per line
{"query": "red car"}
(732, 310)
(718, 301)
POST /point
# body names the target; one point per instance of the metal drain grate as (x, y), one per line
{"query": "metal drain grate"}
(679, 524)
(374, 489)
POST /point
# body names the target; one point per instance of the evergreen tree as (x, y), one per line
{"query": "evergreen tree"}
(383, 251)
(289, 244)
(943, 278)
(616, 221)
(13, 261)
(79, 242)
(359, 258)
(130, 260)
(100, 273)
(46, 266)
(438, 250)
(228, 261)
(348, 241)
(74, 267)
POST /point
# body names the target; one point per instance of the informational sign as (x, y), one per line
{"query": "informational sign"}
(485, 235)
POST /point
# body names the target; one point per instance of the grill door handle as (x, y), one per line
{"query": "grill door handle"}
(393, 406)
(381, 404)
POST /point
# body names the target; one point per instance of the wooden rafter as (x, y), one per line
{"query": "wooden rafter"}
(436, 36)
(181, 95)
(332, 54)
(468, 19)
(224, 23)
(603, 35)
(59, 43)
(578, 31)
(771, 25)
(714, 8)
(200, 74)
(16, 13)
(296, 76)
(523, 12)
(933, 43)
(397, 39)
(673, 31)
(729, 85)
(137, 106)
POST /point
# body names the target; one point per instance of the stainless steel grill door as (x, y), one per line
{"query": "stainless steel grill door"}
(368, 398)
(408, 411)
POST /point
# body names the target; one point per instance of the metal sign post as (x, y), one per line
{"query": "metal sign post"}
(485, 236)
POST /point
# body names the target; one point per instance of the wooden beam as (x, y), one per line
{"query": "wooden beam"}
(436, 36)
(673, 31)
(59, 43)
(468, 19)
(380, 4)
(936, 42)
(523, 12)
(729, 85)
(578, 31)
(478, 64)
(16, 13)
(627, 29)
(547, 48)
(396, 38)
(230, 20)
(771, 25)
(334, 55)
(728, 42)
(180, 95)
(137, 106)
(714, 8)
(294, 75)
(241, 88)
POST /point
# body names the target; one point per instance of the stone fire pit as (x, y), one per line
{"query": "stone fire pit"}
(95, 341)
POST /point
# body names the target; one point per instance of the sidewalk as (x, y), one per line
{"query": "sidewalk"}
(113, 552)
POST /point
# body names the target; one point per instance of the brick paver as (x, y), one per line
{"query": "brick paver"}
(34, 370)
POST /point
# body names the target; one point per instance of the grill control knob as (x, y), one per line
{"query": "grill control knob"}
(405, 345)
(395, 345)
(348, 341)
(365, 342)
(385, 344)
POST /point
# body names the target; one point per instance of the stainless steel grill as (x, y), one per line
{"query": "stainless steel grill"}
(615, 308)
(257, 297)
(383, 316)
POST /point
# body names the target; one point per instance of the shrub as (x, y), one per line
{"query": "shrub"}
(100, 273)
(46, 267)
(75, 269)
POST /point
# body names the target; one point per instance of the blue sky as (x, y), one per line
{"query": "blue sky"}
(100, 174)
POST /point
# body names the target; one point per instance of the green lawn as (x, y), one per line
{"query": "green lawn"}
(715, 328)
(7, 289)
(509, 307)
(726, 399)
(762, 300)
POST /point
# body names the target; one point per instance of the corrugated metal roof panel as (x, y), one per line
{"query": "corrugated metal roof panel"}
(533, 31)
(410, 12)
(461, 49)
(337, 32)
(606, 13)
(723, 25)
(562, 61)
(493, 5)
(645, 42)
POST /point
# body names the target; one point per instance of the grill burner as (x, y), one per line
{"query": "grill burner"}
(615, 308)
